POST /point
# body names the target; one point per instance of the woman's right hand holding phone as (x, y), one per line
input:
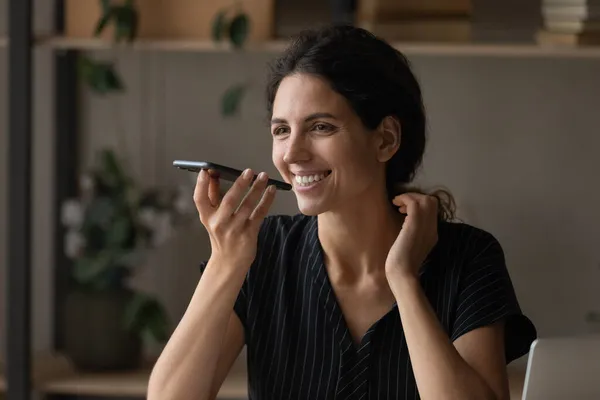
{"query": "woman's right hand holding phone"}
(233, 221)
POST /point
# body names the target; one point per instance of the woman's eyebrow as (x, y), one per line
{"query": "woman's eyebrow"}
(307, 119)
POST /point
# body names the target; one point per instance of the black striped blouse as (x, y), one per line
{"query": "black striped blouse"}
(299, 346)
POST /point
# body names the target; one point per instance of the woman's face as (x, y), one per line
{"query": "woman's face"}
(321, 147)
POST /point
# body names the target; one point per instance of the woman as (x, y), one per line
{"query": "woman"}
(371, 292)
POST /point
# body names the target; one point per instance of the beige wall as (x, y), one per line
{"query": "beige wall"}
(515, 139)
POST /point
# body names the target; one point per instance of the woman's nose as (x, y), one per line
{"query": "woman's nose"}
(297, 150)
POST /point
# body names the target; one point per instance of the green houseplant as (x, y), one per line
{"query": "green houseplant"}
(230, 25)
(101, 76)
(110, 229)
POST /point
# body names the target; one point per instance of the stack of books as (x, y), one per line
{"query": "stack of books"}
(416, 20)
(573, 22)
(506, 21)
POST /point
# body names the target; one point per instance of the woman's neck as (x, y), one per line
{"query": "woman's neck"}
(356, 239)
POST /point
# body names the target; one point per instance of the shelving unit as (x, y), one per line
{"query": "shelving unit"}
(431, 49)
(527, 50)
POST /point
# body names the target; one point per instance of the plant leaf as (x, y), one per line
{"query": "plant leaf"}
(103, 21)
(159, 324)
(113, 82)
(239, 29)
(145, 314)
(219, 26)
(134, 25)
(133, 311)
(230, 103)
(100, 77)
(105, 5)
(100, 211)
(119, 233)
(126, 23)
(86, 270)
(85, 67)
(112, 170)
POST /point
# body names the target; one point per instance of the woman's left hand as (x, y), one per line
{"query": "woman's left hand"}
(417, 237)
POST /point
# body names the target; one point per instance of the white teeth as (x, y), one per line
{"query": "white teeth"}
(306, 180)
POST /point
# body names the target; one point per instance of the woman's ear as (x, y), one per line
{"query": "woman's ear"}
(389, 134)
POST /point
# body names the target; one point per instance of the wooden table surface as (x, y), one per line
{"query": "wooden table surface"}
(58, 377)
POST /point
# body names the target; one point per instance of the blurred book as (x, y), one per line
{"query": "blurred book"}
(422, 29)
(568, 39)
(416, 20)
(506, 20)
(393, 10)
(292, 16)
(562, 12)
(575, 22)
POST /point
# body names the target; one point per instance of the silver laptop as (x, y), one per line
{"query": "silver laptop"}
(564, 368)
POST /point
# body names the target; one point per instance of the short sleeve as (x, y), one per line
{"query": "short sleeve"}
(486, 295)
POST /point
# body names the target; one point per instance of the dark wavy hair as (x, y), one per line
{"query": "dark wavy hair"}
(377, 81)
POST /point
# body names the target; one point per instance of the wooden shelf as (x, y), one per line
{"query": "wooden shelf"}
(202, 46)
(410, 48)
(414, 48)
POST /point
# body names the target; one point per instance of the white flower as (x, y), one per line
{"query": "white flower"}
(147, 216)
(72, 214)
(74, 243)
(86, 183)
(162, 229)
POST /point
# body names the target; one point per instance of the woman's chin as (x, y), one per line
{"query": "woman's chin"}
(310, 208)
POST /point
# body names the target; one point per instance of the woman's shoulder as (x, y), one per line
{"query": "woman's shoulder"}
(466, 239)
(461, 247)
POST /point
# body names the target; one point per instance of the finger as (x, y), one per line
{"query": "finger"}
(214, 190)
(234, 195)
(252, 198)
(201, 199)
(213, 173)
(405, 199)
(262, 209)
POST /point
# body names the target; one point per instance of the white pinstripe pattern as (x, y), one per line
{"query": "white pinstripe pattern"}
(287, 303)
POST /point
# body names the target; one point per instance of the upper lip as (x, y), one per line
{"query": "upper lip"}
(309, 173)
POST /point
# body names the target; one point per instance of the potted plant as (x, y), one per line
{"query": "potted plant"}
(110, 228)
(121, 21)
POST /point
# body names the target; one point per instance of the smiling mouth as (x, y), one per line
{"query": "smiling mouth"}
(309, 180)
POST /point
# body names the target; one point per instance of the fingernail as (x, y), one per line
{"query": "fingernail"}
(262, 176)
(202, 174)
(271, 189)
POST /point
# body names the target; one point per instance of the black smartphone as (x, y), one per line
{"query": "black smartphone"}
(227, 173)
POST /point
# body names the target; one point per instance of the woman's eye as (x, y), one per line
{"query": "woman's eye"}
(279, 131)
(322, 127)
